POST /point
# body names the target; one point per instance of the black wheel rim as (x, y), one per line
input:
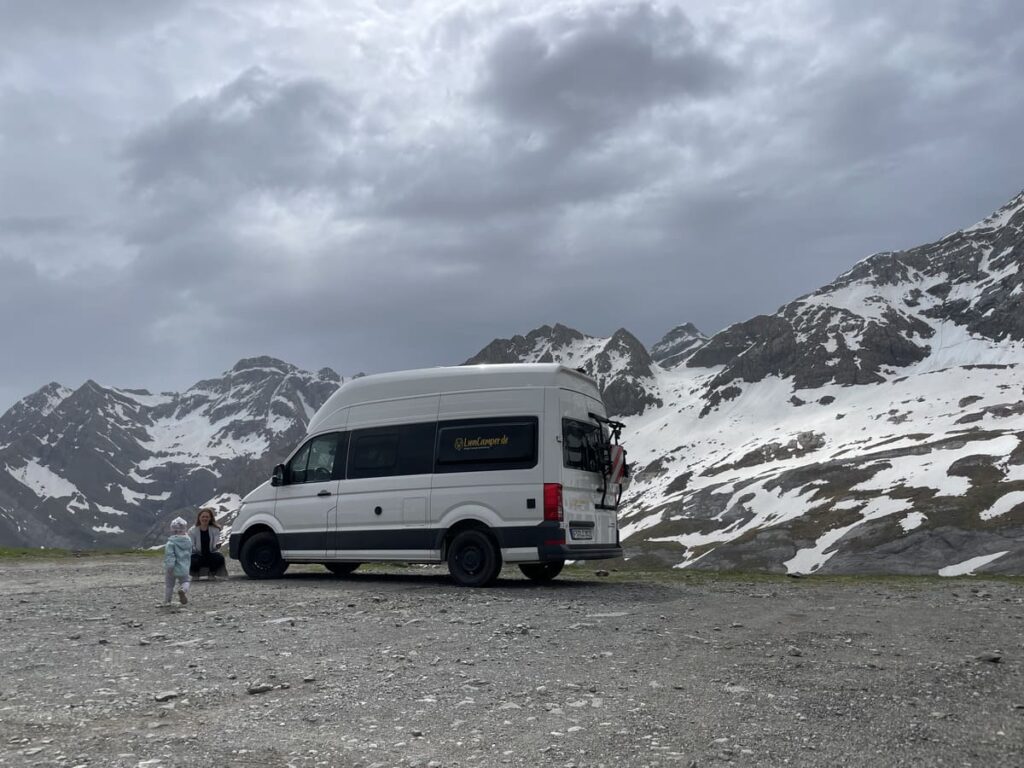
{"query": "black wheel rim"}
(471, 559)
(264, 559)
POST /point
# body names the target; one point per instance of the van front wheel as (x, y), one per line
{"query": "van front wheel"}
(261, 557)
(542, 571)
(473, 560)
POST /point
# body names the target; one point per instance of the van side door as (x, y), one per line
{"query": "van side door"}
(382, 509)
(309, 496)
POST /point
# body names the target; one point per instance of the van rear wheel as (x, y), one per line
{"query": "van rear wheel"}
(473, 560)
(341, 569)
(261, 557)
(542, 571)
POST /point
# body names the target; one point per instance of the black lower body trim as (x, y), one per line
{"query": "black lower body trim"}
(548, 537)
(579, 552)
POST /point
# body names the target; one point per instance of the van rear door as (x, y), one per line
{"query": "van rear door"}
(589, 495)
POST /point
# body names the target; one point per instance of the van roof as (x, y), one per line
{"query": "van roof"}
(461, 378)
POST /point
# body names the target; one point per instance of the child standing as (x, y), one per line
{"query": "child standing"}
(177, 557)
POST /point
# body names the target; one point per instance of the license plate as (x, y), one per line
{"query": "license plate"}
(581, 533)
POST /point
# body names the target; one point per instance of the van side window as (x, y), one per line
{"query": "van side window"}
(318, 460)
(480, 445)
(406, 449)
(581, 443)
(295, 472)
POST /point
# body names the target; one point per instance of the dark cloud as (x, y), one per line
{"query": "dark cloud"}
(255, 132)
(578, 78)
(506, 177)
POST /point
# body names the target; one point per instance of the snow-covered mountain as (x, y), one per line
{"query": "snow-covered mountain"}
(876, 424)
(100, 466)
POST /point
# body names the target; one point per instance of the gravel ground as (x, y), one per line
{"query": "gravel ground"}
(399, 667)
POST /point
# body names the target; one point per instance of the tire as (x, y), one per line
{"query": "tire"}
(341, 569)
(541, 572)
(261, 557)
(473, 560)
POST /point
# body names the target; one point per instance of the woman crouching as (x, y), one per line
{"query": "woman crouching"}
(205, 535)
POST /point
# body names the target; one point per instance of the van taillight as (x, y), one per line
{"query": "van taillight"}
(553, 502)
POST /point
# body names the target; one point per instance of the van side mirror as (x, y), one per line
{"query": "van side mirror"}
(278, 477)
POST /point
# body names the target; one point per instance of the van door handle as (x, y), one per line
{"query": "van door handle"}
(324, 493)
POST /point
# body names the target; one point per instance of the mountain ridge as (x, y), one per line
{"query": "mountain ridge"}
(875, 424)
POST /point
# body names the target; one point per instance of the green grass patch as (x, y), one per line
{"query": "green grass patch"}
(48, 553)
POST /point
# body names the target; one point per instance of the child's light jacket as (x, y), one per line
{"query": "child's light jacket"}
(178, 554)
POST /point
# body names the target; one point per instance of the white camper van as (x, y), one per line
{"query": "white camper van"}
(474, 466)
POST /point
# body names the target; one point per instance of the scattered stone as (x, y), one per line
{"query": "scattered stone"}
(309, 679)
(794, 651)
(166, 695)
(993, 658)
(255, 688)
(601, 573)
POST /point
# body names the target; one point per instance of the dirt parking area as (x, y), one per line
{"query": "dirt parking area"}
(399, 667)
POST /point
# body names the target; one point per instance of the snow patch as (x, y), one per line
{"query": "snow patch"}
(912, 521)
(1004, 504)
(967, 567)
(110, 510)
(43, 482)
(931, 470)
(134, 497)
(811, 559)
(105, 528)
(639, 525)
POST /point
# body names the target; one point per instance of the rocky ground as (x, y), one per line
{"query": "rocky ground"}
(398, 667)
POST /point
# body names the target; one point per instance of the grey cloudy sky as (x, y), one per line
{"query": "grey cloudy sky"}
(382, 185)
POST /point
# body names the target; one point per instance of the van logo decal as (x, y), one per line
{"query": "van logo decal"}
(479, 443)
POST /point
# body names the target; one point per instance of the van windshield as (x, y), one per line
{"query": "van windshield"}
(582, 445)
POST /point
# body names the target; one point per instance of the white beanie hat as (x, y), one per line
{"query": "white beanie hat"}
(179, 525)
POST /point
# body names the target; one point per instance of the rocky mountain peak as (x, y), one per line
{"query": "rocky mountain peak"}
(1011, 214)
(627, 347)
(40, 403)
(263, 363)
(558, 335)
(677, 345)
(620, 364)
